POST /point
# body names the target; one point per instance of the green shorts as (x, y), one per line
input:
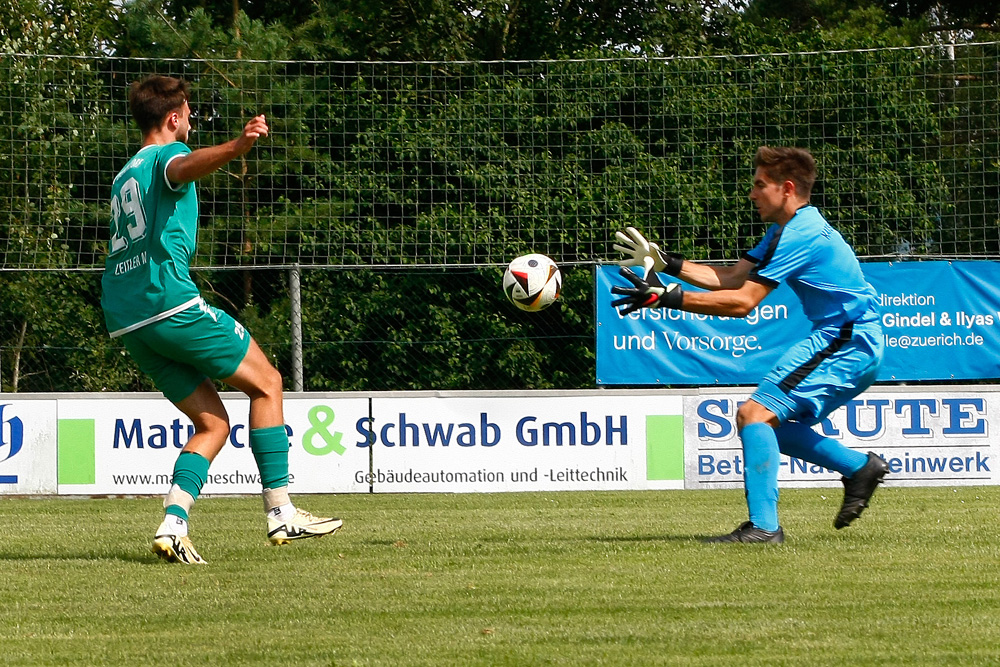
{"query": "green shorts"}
(178, 353)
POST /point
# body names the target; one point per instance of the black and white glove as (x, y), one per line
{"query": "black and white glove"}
(641, 252)
(646, 293)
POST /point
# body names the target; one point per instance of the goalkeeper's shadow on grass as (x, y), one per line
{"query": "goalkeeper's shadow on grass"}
(634, 539)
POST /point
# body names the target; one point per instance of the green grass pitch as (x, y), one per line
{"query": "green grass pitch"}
(612, 578)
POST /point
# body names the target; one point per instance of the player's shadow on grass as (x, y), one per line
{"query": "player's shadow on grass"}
(127, 557)
(633, 539)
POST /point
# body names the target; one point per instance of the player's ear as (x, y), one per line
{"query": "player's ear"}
(173, 119)
(788, 189)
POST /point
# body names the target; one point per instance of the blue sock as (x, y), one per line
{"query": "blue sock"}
(801, 442)
(760, 474)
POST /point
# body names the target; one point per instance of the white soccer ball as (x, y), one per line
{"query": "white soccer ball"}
(532, 282)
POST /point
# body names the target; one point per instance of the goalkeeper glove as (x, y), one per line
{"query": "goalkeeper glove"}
(646, 254)
(646, 293)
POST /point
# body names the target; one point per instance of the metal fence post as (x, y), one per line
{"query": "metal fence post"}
(295, 297)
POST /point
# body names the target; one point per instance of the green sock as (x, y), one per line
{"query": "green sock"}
(190, 473)
(270, 450)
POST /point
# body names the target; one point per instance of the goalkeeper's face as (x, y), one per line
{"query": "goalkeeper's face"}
(770, 198)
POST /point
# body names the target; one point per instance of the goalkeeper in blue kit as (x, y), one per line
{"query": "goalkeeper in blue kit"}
(182, 343)
(835, 362)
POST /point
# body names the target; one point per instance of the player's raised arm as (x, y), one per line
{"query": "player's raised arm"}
(202, 162)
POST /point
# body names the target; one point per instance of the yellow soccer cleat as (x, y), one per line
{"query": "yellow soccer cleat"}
(300, 526)
(174, 549)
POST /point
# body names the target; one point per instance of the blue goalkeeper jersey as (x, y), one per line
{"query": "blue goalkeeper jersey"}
(154, 233)
(819, 266)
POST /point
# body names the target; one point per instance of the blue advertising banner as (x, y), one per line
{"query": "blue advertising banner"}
(941, 321)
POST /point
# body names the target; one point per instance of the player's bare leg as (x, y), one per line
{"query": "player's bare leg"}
(261, 382)
(211, 429)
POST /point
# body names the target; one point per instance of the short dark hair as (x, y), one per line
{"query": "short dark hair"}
(788, 164)
(152, 98)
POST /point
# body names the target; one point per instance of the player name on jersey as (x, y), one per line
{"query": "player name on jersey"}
(130, 263)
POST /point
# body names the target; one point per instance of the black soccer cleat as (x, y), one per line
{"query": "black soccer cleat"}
(748, 533)
(858, 490)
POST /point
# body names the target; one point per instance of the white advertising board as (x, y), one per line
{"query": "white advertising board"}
(27, 446)
(928, 436)
(129, 445)
(525, 443)
(123, 444)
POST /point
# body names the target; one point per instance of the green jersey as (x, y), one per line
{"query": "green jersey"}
(154, 233)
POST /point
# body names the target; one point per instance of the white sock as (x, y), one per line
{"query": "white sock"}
(173, 525)
(282, 512)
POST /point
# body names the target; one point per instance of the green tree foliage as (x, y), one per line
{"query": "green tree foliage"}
(953, 14)
(436, 30)
(344, 30)
(52, 335)
(377, 330)
(915, 20)
(561, 28)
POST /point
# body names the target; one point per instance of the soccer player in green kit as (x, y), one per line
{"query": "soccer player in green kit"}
(181, 342)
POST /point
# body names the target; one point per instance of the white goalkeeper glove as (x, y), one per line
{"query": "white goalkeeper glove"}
(641, 252)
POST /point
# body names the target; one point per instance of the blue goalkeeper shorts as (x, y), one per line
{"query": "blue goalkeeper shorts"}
(823, 372)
